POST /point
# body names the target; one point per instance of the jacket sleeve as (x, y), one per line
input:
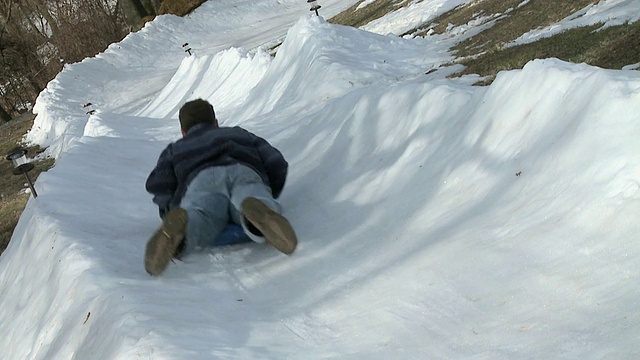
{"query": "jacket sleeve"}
(274, 164)
(162, 182)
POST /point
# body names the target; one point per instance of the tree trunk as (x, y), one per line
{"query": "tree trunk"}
(133, 11)
(4, 115)
(152, 6)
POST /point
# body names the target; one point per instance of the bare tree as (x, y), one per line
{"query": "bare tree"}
(4, 115)
(37, 37)
(134, 11)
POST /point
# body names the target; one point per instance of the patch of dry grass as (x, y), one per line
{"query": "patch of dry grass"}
(611, 48)
(174, 7)
(485, 53)
(10, 210)
(12, 197)
(517, 21)
(179, 7)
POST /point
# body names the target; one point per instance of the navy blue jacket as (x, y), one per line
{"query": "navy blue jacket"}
(206, 145)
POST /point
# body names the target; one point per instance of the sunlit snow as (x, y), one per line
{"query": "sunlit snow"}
(437, 220)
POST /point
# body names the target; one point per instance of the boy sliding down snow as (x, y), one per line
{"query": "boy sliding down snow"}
(211, 177)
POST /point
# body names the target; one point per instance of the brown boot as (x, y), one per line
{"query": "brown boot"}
(164, 244)
(275, 227)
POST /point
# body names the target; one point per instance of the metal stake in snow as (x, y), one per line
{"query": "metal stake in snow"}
(21, 166)
(187, 48)
(314, 6)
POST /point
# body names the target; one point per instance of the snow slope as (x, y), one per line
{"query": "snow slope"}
(436, 219)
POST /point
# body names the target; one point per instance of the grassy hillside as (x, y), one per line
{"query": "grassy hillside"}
(12, 196)
(486, 54)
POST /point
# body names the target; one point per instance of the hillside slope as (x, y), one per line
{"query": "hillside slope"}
(436, 219)
(487, 36)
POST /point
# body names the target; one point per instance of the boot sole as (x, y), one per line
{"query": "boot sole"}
(163, 244)
(276, 228)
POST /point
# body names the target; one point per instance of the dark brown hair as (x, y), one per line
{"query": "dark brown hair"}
(196, 112)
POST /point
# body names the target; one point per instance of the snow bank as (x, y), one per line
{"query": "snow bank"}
(118, 80)
(407, 18)
(305, 71)
(129, 74)
(225, 78)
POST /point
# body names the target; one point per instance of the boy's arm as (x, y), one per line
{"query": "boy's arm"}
(275, 165)
(162, 181)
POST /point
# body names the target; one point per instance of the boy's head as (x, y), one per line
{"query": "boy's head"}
(196, 112)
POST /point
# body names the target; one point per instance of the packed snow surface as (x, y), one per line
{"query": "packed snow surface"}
(437, 220)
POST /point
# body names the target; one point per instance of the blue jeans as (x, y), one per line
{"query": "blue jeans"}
(213, 199)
